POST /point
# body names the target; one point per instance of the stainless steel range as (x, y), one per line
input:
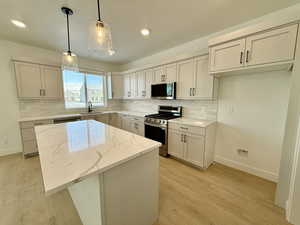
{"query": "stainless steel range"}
(156, 125)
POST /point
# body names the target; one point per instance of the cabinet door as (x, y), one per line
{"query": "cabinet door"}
(175, 143)
(194, 149)
(159, 75)
(133, 85)
(204, 82)
(141, 84)
(171, 73)
(103, 118)
(185, 79)
(227, 56)
(127, 86)
(117, 86)
(52, 82)
(272, 46)
(126, 123)
(138, 128)
(114, 120)
(148, 82)
(29, 80)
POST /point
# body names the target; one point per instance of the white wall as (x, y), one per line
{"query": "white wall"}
(289, 141)
(251, 115)
(10, 141)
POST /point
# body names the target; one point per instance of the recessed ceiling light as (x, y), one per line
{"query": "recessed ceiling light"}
(18, 23)
(145, 32)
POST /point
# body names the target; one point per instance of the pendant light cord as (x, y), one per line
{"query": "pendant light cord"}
(68, 28)
(99, 16)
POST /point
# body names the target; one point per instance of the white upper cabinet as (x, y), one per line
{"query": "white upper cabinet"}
(205, 84)
(38, 82)
(165, 74)
(52, 82)
(170, 73)
(272, 46)
(133, 85)
(117, 86)
(29, 81)
(149, 82)
(185, 78)
(141, 84)
(227, 56)
(266, 48)
(159, 75)
(126, 86)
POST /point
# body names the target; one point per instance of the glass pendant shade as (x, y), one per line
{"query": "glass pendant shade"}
(70, 61)
(100, 40)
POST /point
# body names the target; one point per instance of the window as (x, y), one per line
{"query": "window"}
(81, 88)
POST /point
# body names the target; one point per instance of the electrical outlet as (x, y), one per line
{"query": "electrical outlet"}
(242, 152)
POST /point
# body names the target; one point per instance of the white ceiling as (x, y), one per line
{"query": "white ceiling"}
(172, 22)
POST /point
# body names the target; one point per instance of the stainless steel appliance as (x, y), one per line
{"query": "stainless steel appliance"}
(156, 125)
(163, 91)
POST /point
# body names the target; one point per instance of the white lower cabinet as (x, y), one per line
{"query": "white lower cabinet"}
(194, 149)
(175, 144)
(133, 124)
(192, 144)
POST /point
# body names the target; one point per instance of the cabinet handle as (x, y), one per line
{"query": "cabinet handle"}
(44, 92)
(194, 91)
(247, 56)
(41, 92)
(241, 57)
(190, 91)
(184, 138)
(184, 128)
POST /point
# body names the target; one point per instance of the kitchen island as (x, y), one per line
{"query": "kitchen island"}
(112, 175)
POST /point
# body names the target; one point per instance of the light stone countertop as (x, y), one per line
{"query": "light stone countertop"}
(192, 122)
(70, 152)
(130, 113)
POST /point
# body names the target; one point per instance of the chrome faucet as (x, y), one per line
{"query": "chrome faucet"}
(90, 107)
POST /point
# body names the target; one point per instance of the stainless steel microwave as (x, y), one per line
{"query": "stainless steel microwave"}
(163, 91)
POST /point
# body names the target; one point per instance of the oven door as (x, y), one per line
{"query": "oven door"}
(156, 133)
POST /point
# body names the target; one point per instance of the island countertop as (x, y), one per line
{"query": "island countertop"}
(70, 152)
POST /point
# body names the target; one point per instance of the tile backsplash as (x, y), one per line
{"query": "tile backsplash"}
(191, 108)
(46, 108)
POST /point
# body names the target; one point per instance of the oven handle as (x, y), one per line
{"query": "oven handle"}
(152, 125)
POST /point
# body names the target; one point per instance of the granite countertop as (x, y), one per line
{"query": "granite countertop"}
(193, 122)
(131, 113)
(70, 152)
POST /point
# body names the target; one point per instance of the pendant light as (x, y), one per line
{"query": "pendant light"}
(69, 59)
(100, 36)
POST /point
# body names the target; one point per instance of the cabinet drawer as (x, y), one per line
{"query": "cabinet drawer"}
(138, 119)
(29, 147)
(28, 134)
(188, 129)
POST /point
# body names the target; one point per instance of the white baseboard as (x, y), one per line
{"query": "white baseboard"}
(9, 151)
(252, 170)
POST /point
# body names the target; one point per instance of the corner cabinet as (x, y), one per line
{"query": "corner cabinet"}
(36, 81)
(194, 145)
(267, 48)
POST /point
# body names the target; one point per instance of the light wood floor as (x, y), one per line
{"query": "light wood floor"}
(218, 196)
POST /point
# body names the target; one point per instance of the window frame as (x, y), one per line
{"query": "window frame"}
(91, 72)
